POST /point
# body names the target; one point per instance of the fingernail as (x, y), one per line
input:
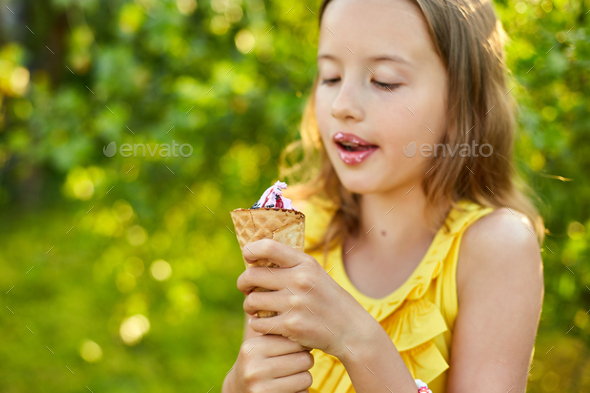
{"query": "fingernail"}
(249, 321)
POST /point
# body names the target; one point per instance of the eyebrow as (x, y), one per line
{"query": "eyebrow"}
(394, 58)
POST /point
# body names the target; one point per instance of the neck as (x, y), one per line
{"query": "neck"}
(395, 222)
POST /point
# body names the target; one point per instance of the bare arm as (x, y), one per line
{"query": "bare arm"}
(376, 365)
(500, 289)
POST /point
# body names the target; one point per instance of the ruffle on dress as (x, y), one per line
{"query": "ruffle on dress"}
(409, 318)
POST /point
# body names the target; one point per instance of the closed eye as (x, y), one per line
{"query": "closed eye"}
(330, 81)
(386, 86)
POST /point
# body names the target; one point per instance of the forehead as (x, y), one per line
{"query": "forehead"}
(371, 28)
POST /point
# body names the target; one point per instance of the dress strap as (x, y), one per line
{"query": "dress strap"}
(459, 221)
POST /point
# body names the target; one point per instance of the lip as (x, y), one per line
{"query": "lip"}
(345, 136)
(353, 157)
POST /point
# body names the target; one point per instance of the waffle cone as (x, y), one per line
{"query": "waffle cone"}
(283, 225)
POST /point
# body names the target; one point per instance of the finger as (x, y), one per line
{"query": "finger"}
(277, 252)
(293, 383)
(267, 301)
(275, 345)
(260, 277)
(270, 326)
(289, 364)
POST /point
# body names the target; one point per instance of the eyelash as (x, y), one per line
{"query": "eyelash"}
(387, 86)
(380, 85)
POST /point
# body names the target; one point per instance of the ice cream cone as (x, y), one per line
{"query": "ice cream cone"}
(283, 225)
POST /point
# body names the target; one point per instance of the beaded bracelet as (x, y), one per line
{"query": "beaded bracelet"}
(422, 387)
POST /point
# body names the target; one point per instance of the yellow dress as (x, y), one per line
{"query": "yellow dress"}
(419, 316)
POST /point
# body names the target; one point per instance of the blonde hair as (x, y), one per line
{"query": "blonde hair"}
(470, 41)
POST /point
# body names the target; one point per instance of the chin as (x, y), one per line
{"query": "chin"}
(371, 180)
(360, 182)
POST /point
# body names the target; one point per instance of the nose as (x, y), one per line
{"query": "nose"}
(347, 105)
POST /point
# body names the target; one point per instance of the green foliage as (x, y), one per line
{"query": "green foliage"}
(137, 292)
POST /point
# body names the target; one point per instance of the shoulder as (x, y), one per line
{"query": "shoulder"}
(502, 231)
(500, 295)
(498, 244)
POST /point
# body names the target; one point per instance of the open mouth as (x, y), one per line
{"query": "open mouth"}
(354, 154)
(353, 149)
(351, 146)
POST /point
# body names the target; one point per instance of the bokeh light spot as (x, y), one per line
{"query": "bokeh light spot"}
(131, 18)
(84, 189)
(550, 381)
(576, 230)
(520, 7)
(134, 266)
(244, 40)
(186, 7)
(219, 25)
(19, 80)
(161, 270)
(136, 235)
(122, 210)
(134, 328)
(90, 351)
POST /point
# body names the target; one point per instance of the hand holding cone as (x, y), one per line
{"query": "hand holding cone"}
(264, 221)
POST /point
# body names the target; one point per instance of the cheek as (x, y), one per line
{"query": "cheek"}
(395, 125)
(399, 129)
(431, 111)
(402, 121)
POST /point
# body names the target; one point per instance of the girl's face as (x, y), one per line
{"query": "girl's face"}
(381, 80)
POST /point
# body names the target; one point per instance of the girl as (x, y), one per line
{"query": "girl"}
(422, 262)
